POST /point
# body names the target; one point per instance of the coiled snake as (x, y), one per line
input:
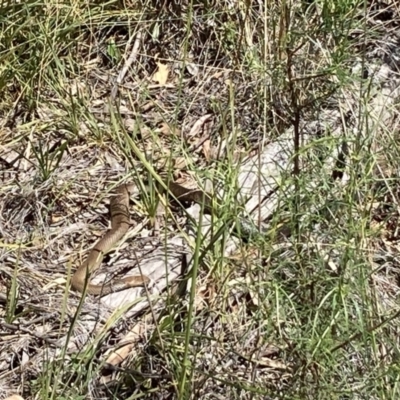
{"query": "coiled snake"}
(120, 222)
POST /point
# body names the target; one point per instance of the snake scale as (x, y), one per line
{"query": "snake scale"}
(120, 222)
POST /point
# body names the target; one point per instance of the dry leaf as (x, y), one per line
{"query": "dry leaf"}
(126, 347)
(161, 76)
(198, 125)
(148, 106)
(130, 124)
(180, 163)
(217, 75)
(167, 129)
(207, 151)
(193, 69)
(164, 128)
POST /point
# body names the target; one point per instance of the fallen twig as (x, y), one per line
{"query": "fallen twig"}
(126, 66)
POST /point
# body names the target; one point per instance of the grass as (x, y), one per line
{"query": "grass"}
(308, 310)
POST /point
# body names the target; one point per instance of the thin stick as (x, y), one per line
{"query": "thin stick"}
(126, 66)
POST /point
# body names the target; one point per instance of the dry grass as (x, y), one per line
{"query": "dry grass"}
(265, 323)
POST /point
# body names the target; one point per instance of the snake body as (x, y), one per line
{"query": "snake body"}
(120, 222)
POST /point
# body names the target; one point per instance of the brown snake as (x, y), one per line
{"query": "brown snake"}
(120, 222)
